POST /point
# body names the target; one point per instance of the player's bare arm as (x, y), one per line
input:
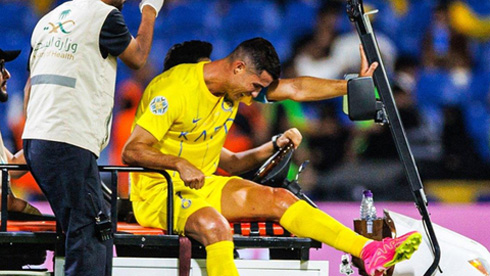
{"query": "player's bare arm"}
(137, 52)
(240, 162)
(302, 89)
(139, 151)
(17, 158)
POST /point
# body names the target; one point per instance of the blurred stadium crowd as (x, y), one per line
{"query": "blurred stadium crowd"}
(436, 52)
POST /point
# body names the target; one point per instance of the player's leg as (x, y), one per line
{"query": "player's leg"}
(195, 218)
(211, 229)
(207, 226)
(16, 204)
(245, 200)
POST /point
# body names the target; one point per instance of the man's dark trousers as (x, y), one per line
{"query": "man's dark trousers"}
(69, 178)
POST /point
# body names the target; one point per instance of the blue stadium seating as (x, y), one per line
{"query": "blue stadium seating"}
(16, 39)
(259, 16)
(406, 30)
(481, 55)
(14, 16)
(198, 17)
(132, 16)
(477, 121)
(299, 18)
(283, 45)
(412, 28)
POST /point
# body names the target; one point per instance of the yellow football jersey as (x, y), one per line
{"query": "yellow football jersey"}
(188, 121)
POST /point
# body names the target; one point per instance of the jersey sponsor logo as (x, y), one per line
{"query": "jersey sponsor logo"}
(159, 105)
(183, 134)
(206, 134)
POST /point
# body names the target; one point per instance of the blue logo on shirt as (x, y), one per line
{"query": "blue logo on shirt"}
(227, 105)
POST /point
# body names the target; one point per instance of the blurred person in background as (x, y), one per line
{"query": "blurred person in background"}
(449, 96)
(69, 101)
(326, 53)
(129, 94)
(372, 159)
(192, 51)
(14, 203)
(312, 57)
(344, 51)
(472, 18)
(42, 6)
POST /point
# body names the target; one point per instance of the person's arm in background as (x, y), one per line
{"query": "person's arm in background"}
(14, 203)
(17, 158)
(303, 89)
(137, 52)
(240, 162)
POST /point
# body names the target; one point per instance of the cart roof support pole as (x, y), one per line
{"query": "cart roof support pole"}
(356, 13)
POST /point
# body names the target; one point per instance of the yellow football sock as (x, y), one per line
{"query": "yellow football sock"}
(303, 220)
(219, 261)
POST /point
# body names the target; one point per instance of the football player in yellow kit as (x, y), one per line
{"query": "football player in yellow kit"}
(181, 125)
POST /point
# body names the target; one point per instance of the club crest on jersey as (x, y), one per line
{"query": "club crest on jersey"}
(159, 105)
(186, 203)
(227, 104)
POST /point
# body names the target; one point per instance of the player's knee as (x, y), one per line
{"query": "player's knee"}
(217, 225)
(215, 230)
(282, 199)
(284, 196)
(208, 229)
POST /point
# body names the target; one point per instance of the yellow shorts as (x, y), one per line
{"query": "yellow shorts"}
(152, 212)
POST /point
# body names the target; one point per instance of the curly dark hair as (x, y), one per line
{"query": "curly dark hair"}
(187, 52)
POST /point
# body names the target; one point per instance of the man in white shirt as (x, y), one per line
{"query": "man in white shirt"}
(69, 102)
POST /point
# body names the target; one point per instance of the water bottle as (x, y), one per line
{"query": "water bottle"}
(368, 211)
